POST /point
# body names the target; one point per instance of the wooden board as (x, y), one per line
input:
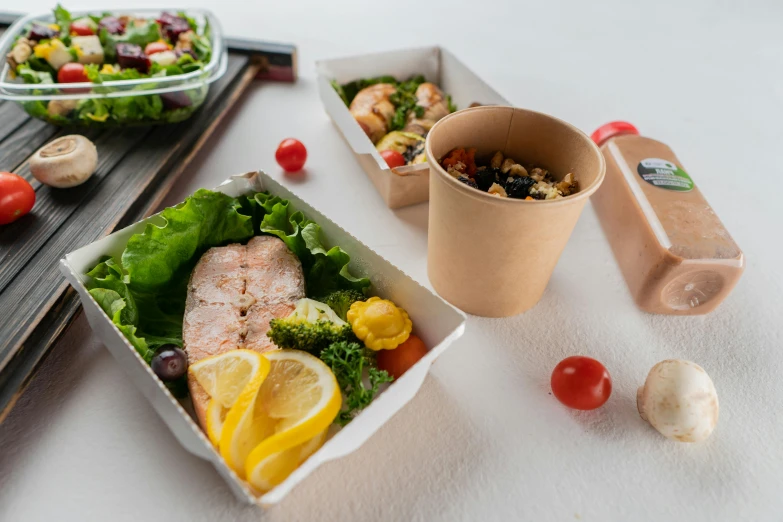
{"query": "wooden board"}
(136, 168)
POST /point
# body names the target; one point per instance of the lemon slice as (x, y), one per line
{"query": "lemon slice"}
(216, 416)
(228, 378)
(270, 471)
(296, 403)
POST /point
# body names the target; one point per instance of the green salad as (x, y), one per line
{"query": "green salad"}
(107, 47)
(144, 292)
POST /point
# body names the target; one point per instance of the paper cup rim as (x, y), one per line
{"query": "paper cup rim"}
(481, 195)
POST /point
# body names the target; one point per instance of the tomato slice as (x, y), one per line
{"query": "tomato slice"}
(581, 383)
(81, 29)
(393, 158)
(399, 360)
(291, 154)
(72, 73)
(17, 197)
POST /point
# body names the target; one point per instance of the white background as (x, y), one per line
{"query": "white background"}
(484, 439)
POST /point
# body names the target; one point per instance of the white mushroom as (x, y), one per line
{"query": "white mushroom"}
(66, 162)
(22, 50)
(61, 107)
(679, 400)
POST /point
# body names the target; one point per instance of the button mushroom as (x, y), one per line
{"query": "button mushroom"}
(66, 162)
(679, 400)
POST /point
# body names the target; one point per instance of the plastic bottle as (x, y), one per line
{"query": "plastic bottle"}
(674, 252)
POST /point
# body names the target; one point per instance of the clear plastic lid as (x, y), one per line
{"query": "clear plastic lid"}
(17, 90)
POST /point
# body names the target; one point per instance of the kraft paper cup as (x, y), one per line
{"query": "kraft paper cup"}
(493, 256)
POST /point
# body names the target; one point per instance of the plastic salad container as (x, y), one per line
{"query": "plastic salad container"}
(140, 66)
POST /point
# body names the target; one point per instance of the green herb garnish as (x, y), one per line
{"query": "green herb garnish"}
(404, 98)
(349, 361)
(349, 91)
(451, 105)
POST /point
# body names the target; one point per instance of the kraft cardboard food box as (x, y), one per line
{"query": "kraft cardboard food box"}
(407, 185)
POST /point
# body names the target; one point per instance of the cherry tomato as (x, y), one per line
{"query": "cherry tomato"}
(155, 47)
(393, 158)
(72, 73)
(581, 383)
(399, 360)
(81, 29)
(291, 155)
(17, 197)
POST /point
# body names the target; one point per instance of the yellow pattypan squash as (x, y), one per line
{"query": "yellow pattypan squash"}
(381, 324)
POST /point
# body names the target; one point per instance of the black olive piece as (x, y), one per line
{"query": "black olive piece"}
(519, 187)
(412, 151)
(485, 178)
(467, 181)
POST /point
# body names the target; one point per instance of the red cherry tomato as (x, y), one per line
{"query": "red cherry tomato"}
(399, 360)
(291, 155)
(581, 383)
(155, 47)
(393, 158)
(17, 197)
(72, 73)
(81, 29)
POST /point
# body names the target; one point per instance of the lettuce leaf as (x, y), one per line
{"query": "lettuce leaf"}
(325, 270)
(32, 76)
(63, 18)
(110, 290)
(135, 34)
(204, 220)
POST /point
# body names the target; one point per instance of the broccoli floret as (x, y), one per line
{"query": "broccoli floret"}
(341, 300)
(311, 337)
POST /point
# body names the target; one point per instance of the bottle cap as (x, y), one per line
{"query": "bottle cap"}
(612, 129)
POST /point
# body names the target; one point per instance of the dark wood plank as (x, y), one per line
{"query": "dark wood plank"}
(26, 300)
(20, 240)
(27, 139)
(12, 117)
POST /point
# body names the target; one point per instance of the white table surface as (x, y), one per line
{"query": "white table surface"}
(484, 439)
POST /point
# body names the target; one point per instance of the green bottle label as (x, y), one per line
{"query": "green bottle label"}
(664, 174)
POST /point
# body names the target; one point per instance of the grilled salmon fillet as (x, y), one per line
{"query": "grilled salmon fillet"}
(233, 293)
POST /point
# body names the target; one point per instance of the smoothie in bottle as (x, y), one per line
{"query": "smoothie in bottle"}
(673, 250)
